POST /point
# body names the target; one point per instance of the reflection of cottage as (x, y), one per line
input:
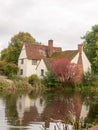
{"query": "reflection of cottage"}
(58, 125)
(3, 120)
(30, 107)
(36, 59)
(84, 111)
(20, 106)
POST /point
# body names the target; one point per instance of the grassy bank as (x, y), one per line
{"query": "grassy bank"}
(19, 83)
(14, 84)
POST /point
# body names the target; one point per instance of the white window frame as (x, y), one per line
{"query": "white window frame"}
(34, 62)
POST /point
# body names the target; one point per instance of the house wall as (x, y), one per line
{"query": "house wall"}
(24, 65)
(75, 59)
(23, 53)
(41, 66)
(85, 62)
(31, 69)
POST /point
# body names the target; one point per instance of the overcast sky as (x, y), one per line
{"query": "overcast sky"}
(64, 21)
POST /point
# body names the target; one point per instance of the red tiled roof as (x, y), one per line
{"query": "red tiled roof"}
(32, 51)
(36, 51)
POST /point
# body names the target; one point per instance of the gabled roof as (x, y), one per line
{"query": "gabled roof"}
(69, 54)
(32, 51)
(37, 51)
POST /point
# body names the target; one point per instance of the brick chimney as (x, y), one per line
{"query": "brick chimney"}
(50, 48)
(80, 62)
(80, 47)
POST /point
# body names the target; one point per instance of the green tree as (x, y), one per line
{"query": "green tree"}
(11, 53)
(91, 46)
(10, 69)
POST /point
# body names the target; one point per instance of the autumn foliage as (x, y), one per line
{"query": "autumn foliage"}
(66, 71)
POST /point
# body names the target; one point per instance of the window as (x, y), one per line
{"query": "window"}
(34, 62)
(22, 61)
(21, 72)
(42, 72)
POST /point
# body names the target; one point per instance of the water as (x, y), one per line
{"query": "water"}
(32, 111)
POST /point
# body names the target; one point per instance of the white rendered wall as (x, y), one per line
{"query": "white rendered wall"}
(23, 53)
(24, 65)
(41, 66)
(85, 61)
(75, 59)
(31, 69)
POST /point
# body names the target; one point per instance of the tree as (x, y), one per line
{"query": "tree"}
(91, 47)
(65, 71)
(10, 69)
(11, 53)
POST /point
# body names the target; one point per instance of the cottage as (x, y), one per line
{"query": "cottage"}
(31, 59)
(36, 59)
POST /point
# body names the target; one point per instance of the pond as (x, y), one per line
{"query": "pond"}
(30, 111)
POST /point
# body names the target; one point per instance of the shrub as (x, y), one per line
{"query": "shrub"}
(10, 69)
(34, 81)
(3, 85)
(67, 72)
(88, 78)
(50, 79)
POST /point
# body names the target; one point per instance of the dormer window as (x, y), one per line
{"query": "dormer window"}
(34, 62)
(42, 52)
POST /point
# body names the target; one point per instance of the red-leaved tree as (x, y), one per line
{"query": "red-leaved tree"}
(66, 71)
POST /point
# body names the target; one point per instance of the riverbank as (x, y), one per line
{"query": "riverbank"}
(13, 85)
(19, 83)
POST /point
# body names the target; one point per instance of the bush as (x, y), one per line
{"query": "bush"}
(3, 85)
(35, 81)
(50, 79)
(10, 69)
(22, 83)
(88, 78)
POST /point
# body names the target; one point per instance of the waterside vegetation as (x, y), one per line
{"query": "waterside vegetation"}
(9, 81)
(60, 76)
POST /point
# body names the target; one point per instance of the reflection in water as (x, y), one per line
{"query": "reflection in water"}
(3, 121)
(29, 109)
(22, 111)
(84, 111)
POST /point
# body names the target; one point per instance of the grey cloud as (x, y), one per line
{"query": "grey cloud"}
(65, 21)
